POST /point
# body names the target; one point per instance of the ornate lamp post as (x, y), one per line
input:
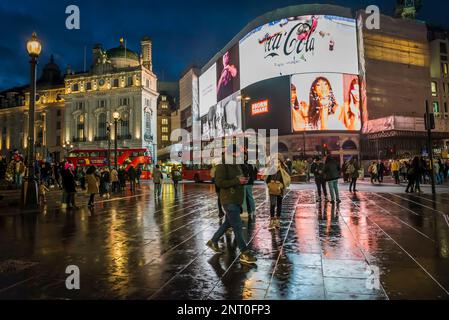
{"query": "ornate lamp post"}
(116, 116)
(29, 195)
(67, 147)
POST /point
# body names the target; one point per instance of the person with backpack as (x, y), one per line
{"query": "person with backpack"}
(317, 170)
(277, 184)
(332, 174)
(352, 171)
(176, 177)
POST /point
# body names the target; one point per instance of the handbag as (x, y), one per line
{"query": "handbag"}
(275, 188)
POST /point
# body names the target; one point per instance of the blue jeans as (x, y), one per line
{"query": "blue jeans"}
(333, 190)
(249, 202)
(232, 220)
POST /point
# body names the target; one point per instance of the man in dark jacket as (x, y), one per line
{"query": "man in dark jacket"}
(250, 172)
(230, 179)
(132, 177)
(332, 174)
(317, 169)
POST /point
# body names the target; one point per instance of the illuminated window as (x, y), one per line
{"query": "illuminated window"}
(436, 107)
(434, 88)
(164, 106)
(80, 127)
(164, 138)
(165, 129)
(164, 98)
(124, 124)
(164, 121)
(445, 68)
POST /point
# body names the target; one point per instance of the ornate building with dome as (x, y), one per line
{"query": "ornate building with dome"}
(119, 80)
(49, 128)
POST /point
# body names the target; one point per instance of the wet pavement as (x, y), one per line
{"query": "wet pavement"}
(135, 247)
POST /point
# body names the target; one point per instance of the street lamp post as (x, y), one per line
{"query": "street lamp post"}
(67, 147)
(116, 116)
(109, 145)
(29, 195)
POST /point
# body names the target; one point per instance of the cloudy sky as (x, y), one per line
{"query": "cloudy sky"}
(184, 32)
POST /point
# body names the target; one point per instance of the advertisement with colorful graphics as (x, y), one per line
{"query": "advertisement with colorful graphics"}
(325, 101)
(299, 45)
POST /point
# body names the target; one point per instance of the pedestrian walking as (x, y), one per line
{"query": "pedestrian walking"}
(114, 180)
(93, 182)
(69, 185)
(372, 170)
(277, 184)
(176, 177)
(230, 179)
(221, 213)
(132, 178)
(317, 170)
(249, 203)
(395, 167)
(332, 174)
(157, 179)
(352, 171)
(105, 180)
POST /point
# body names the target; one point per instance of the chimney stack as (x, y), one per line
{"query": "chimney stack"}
(147, 55)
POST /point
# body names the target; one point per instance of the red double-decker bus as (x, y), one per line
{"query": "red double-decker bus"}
(125, 157)
(197, 173)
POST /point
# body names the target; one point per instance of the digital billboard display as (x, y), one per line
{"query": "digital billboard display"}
(325, 101)
(312, 63)
(299, 45)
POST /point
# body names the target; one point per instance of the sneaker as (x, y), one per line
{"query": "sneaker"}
(247, 257)
(214, 246)
(272, 224)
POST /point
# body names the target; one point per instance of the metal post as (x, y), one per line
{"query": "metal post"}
(115, 144)
(304, 144)
(29, 194)
(109, 146)
(430, 146)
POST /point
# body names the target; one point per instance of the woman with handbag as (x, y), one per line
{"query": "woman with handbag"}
(277, 185)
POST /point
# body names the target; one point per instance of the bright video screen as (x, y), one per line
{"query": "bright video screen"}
(325, 101)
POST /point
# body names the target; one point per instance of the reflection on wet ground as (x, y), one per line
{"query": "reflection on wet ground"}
(135, 247)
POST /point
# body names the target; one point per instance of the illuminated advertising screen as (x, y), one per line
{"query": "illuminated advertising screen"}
(208, 89)
(223, 119)
(299, 45)
(325, 101)
(228, 73)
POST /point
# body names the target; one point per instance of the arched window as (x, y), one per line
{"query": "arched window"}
(80, 127)
(349, 145)
(102, 126)
(124, 125)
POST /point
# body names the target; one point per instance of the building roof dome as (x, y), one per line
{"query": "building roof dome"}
(121, 52)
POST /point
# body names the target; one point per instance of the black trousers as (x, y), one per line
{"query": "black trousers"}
(411, 184)
(275, 206)
(396, 177)
(321, 185)
(91, 198)
(353, 184)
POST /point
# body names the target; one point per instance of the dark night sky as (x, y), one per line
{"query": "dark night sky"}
(183, 31)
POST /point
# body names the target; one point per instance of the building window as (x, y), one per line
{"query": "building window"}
(147, 125)
(58, 140)
(58, 125)
(129, 81)
(101, 103)
(164, 106)
(124, 101)
(164, 121)
(58, 113)
(124, 124)
(165, 129)
(164, 98)
(89, 86)
(436, 107)
(79, 105)
(148, 83)
(80, 127)
(164, 138)
(443, 48)
(445, 68)
(102, 126)
(434, 88)
(115, 83)
(75, 87)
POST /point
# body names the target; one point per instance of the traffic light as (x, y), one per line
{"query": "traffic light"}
(325, 149)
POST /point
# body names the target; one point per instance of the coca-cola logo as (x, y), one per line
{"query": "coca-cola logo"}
(300, 39)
